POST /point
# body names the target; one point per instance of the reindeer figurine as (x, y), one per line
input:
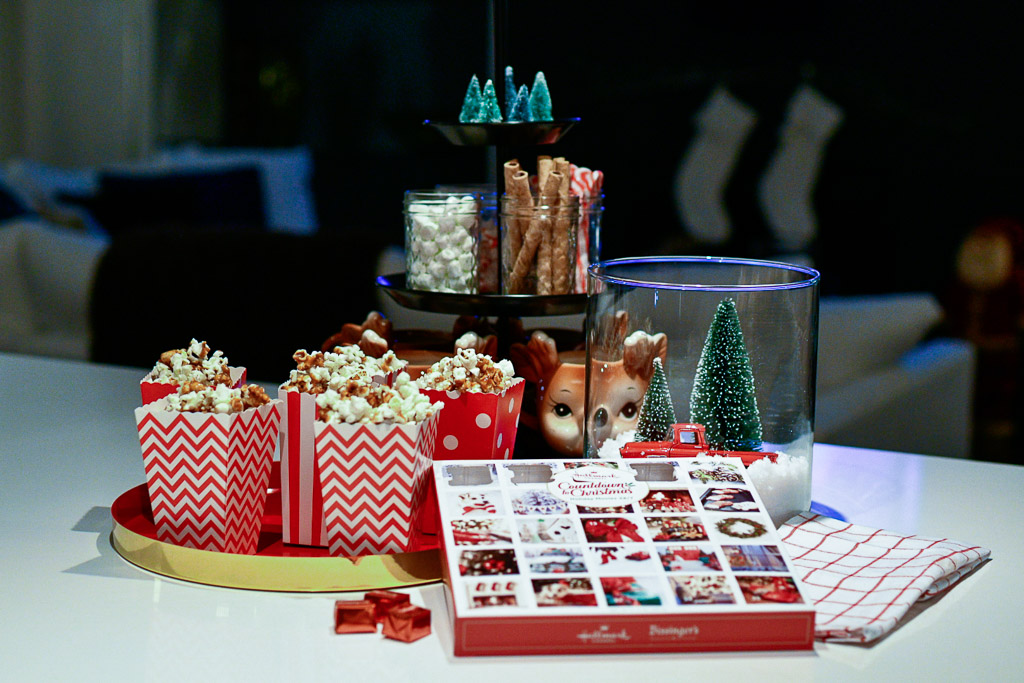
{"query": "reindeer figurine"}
(617, 385)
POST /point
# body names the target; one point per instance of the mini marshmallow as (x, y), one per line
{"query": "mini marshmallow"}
(466, 220)
(425, 248)
(446, 224)
(448, 255)
(424, 226)
(436, 269)
(455, 272)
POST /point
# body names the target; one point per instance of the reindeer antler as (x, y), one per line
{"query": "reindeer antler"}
(536, 360)
(471, 340)
(609, 334)
(639, 351)
(373, 336)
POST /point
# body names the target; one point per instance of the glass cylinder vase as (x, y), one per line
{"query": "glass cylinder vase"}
(736, 341)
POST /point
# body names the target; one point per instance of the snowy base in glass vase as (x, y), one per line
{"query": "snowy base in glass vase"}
(784, 485)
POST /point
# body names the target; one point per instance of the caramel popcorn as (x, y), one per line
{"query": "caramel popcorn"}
(190, 365)
(199, 398)
(356, 401)
(469, 371)
(317, 372)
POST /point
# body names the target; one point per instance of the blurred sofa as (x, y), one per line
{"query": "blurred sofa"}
(885, 381)
(262, 289)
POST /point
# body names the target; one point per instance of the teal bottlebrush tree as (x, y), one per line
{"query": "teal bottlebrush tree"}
(490, 112)
(540, 99)
(471, 102)
(510, 92)
(723, 397)
(521, 109)
(656, 413)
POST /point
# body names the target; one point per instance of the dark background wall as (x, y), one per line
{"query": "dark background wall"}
(930, 144)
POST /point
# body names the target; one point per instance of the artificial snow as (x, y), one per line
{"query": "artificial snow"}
(784, 485)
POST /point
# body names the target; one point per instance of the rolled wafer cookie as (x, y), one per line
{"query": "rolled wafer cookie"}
(545, 276)
(545, 165)
(534, 234)
(520, 210)
(561, 239)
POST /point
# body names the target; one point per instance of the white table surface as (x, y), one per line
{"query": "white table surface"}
(71, 608)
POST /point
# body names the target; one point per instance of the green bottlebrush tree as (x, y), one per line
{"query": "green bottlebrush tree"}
(656, 413)
(471, 102)
(490, 112)
(723, 397)
(540, 99)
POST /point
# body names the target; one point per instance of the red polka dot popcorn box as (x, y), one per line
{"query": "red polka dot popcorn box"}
(347, 371)
(207, 456)
(598, 556)
(374, 446)
(193, 365)
(482, 402)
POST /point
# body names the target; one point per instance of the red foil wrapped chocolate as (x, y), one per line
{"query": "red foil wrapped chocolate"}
(354, 616)
(384, 601)
(407, 623)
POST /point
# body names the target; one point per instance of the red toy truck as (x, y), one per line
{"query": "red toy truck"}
(687, 441)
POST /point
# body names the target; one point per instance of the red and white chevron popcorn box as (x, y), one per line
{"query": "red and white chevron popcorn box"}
(478, 426)
(207, 474)
(374, 479)
(154, 391)
(302, 502)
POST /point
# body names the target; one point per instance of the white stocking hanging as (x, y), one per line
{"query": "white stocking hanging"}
(723, 124)
(786, 188)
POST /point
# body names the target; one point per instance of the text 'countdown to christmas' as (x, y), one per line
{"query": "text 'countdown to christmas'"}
(597, 486)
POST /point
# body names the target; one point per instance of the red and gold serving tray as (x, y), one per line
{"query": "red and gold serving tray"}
(275, 566)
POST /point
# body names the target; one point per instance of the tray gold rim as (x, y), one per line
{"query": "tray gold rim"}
(276, 573)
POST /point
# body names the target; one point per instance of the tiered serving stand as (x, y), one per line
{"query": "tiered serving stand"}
(280, 567)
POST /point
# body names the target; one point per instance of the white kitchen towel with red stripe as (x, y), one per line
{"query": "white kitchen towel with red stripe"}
(862, 581)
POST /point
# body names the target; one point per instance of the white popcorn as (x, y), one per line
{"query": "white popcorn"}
(220, 399)
(466, 263)
(402, 403)
(469, 371)
(189, 365)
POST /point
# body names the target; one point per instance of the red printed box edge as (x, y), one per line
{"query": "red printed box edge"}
(604, 633)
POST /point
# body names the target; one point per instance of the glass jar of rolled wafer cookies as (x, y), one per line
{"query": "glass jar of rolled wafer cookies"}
(538, 243)
(442, 240)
